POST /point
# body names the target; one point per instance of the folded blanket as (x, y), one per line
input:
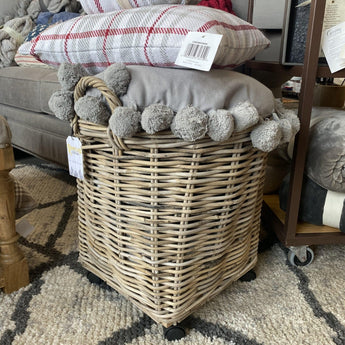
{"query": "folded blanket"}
(12, 36)
(224, 5)
(56, 6)
(318, 206)
(45, 18)
(10, 9)
(32, 8)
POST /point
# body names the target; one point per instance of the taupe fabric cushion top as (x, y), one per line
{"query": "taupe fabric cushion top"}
(28, 87)
(177, 88)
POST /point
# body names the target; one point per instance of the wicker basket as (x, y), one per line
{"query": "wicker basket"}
(167, 223)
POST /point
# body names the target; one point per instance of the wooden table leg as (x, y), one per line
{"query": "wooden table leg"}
(14, 272)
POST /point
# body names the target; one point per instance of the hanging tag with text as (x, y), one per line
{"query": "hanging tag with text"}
(198, 50)
(75, 157)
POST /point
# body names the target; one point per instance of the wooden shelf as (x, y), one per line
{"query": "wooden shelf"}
(291, 70)
(272, 201)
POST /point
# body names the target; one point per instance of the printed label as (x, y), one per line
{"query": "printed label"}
(198, 50)
(75, 157)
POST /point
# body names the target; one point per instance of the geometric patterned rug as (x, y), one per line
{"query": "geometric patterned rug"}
(283, 305)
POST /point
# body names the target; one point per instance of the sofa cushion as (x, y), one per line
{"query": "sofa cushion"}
(151, 35)
(28, 87)
(39, 134)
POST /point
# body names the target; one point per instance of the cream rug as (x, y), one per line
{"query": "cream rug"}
(283, 305)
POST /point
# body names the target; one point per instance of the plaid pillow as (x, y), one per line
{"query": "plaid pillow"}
(150, 35)
(103, 6)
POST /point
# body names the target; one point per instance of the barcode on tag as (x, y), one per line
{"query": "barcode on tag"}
(198, 51)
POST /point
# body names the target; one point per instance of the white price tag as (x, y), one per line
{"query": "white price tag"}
(75, 157)
(333, 44)
(198, 50)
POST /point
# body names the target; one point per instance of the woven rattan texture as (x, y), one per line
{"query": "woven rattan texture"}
(165, 222)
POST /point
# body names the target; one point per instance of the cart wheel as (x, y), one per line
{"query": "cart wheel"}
(174, 332)
(93, 279)
(249, 276)
(294, 260)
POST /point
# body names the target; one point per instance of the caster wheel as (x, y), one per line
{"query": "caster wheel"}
(294, 260)
(249, 276)
(174, 333)
(93, 279)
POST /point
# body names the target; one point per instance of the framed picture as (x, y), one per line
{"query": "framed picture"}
(294, 35)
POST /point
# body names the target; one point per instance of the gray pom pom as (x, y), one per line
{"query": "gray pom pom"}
(156, 117)
(117, 78)
(293, 119)
(220, 124)
(245, 115)
(124, 122)
(69, 75)
(61, 104)
(286, 129)
(289, 115)
(266, 137)
(190, 124)
(92, 109)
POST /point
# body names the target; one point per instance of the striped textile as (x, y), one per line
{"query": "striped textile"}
(319, 206)
(29, 61)
(150, 35)
(103, 6)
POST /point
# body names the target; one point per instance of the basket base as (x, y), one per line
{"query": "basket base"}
(175, 332)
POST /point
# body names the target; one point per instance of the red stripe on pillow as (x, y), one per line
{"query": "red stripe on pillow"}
(213, 23)
(106, 37)
(150, 32)
(115, 32)
(99, 6)
(68, 37)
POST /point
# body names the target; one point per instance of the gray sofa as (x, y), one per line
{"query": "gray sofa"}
(24, 96)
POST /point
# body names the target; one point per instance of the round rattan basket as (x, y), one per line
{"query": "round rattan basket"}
(167, 223)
